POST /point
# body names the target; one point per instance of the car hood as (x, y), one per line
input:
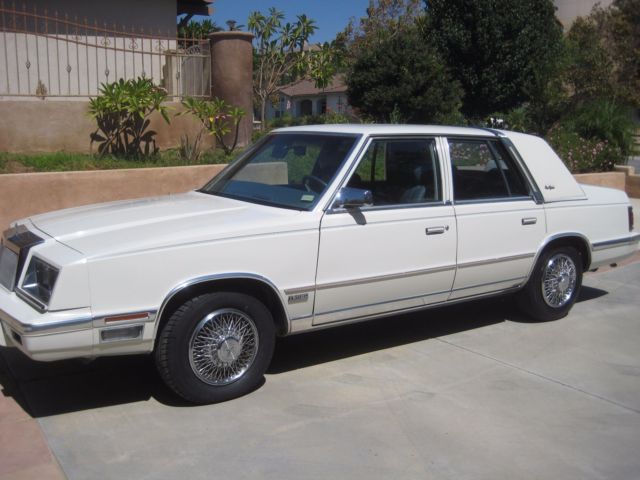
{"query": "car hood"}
(162, 222)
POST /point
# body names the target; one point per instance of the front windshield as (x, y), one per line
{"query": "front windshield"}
(291, 170)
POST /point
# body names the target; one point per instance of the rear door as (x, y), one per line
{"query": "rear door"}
(500, 226)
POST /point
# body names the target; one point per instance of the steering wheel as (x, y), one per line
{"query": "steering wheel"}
(311, 183)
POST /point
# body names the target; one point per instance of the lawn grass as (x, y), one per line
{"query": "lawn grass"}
(66, 161)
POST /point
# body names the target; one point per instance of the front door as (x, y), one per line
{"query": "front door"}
(397, 254)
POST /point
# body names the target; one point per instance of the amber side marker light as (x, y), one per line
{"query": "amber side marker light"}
(123, 318)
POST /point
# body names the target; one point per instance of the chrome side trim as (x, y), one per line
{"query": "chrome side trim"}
(616, 242)
(295, 291)
(223, 276)
(379, 278)
(490, 261)
(306, 324)
(82, 322)
(516, 285)
(375, 304)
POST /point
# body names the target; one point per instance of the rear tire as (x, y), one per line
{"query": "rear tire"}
(216, 347)
(554, 285)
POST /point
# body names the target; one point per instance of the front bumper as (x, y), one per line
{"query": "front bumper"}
(73, 333)
(45, 336)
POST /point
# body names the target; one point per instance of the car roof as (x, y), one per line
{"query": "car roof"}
(378, 129)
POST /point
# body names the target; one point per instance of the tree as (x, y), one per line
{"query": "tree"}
(402, 79)
(589, 67)
(279, 52)
(495, 48)
(609, 40)
(625, 30)
(384, 19)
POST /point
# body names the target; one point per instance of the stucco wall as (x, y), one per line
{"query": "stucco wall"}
(47, 126)
(25, 194)
(606, 179)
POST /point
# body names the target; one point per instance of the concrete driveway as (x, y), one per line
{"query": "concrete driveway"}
(466, 392)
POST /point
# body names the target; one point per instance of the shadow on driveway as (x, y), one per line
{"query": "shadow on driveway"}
(45, 389)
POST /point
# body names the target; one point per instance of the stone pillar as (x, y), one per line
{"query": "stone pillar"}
(232, 76)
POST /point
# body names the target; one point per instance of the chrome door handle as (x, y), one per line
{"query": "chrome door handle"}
(436, 230)
(529, 221)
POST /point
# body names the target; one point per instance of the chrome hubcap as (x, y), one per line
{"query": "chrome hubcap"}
(223, 346)
(559, 280)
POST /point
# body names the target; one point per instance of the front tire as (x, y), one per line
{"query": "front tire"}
(216, 347)
(554, 285)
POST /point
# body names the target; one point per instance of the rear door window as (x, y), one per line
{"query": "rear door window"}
(482, 169)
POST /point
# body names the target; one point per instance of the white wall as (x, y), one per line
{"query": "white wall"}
(75, 66)
(70, 58)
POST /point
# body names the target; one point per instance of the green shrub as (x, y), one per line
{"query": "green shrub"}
(330, 117)
(122, 111)
(605, 120)
(584, 155)
(217, 117)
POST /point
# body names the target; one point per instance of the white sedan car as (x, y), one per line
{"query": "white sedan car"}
(313, 227)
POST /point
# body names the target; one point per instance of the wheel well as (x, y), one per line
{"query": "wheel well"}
(576, 242)
(249, 286)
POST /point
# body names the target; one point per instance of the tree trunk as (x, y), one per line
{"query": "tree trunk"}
(263, 114)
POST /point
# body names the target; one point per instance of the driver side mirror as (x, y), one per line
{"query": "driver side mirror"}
(353, 198)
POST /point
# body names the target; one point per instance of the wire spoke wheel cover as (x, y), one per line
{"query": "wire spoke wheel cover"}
(223, 346)
(559, 280)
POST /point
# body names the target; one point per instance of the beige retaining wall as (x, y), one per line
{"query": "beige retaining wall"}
(606, 179)
(632, 180)
(33, 125)
(25, 194)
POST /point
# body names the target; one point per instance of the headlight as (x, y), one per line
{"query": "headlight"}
(39, 281)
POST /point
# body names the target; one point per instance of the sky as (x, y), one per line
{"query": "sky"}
(331, 16)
